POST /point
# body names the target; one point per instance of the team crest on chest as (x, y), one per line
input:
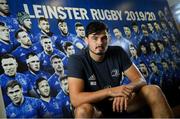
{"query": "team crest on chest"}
(115, 73)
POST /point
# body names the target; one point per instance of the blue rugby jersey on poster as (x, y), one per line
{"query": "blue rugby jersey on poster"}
(52, 36)
(45, 60)
(10, 22)
(33, 76)
(62, 39)
(54, 83)
(81, 41)
(156, 78)
(21, 78)
(65, 99)
(136, 38)
(6, 48)
(21, 53)
(30, 108)
(54, 108)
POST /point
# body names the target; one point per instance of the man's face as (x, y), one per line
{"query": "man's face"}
(63, 28)
(152, 47)
(133, 51)
(70, 50)
(15, 94)
(4, 8)
(135, 28)
(44, 26)
(24, 38)
(143, 68)
(9, 66)
(143, 49)
(80, 31)
(163, 25)
(165, 65)
(173, 48)
(156, 26)
(117, 33)
(34, 63)
(27, 24)
(57, 65)
(47, 45)
(171, 24)
(4, 33)
(127, 31)
(150, 27)
(98, 43)
(65, 85)
(44, 88)
(153, 67)
(160, 46)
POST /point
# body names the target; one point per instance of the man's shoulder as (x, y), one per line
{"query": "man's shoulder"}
(81, 54)
(114, 49)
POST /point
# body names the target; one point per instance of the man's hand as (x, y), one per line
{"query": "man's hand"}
(120, 104)
(121, 91)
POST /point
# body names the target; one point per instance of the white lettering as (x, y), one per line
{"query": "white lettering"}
(107, 14)
(83, 13)
(69, 12)
(37, 11)
(94, 14)
(76, 13)
(52, 11)
(62, 14)
(26, 9)
(119, 14)
(45, 11)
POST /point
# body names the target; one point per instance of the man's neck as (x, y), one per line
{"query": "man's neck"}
(25, 46)
(3, 15)
(48, 52)
(46, 99)
(5, 42)
(23, 28)
(95, 57)
(64, 34)
(22, 100)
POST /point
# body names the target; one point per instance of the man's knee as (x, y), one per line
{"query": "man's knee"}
(84, 110)
(152, 92)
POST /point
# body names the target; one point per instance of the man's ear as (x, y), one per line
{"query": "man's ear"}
(18, 40)
(86, 40)
(38, 91)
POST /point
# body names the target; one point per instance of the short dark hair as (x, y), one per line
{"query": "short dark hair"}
(134, 23)
(38, 81)
(2, 24)
(164, 60)
(78, 24)
(7, 56)
(44, 36)
(12, 84)
(95, 27)
(66, 45)
(60, 21)
(31, 55)
(153, 62)
(17, 32)
(54, 56)
(42, 19)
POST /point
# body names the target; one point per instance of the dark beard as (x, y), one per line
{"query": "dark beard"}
(100, 53)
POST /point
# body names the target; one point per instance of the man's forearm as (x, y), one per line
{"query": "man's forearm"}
(89, 97)
(138, 85)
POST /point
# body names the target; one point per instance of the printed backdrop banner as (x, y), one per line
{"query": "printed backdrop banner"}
(38, 36)
(114, 14)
